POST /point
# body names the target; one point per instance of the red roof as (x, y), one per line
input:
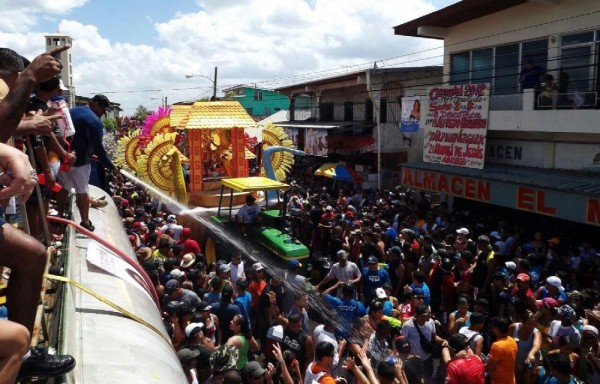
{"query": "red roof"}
(455, 14)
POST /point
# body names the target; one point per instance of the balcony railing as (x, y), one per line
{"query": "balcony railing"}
(573, 100)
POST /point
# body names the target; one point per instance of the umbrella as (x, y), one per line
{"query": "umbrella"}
(338, 171)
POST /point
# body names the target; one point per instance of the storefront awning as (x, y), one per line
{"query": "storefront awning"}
(567, 194)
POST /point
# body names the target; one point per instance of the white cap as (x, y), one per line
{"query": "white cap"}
(276, 333)
(380, 293)
(496, 235)
(191, 327)
(329, 208)
(257, 267)
(176, 273)
(511, 265)
(463, 231)
(555, 281)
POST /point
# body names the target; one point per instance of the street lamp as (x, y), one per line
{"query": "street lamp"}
(163, 101)
(214, 81)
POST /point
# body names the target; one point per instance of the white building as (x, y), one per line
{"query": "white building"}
(542, 154)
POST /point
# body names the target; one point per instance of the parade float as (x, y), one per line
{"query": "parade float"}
(198, 154)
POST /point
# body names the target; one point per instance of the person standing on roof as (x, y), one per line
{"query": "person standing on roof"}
(87, 141)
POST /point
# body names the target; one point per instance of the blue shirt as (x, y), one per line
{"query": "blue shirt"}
(372, 280)
(243, 301)
(348, 311)
(87, 140)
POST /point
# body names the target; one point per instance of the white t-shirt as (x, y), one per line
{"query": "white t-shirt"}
(557, 330)
(410, 332)
(320, 334)
(176, 230)
(237, 271)
(472, 336)
(348, 272)
(249, 212)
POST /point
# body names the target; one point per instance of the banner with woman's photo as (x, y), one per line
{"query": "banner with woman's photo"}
(411, 114)
(316, 142)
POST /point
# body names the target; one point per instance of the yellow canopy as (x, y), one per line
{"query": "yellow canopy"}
(180, 115)
(251, 184)
(218, 114)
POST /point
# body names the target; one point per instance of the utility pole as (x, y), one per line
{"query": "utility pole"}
(214, 98)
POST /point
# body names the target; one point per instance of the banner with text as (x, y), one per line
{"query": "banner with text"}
(456, 125)
(411, 114)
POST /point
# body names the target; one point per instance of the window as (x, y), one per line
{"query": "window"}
(383, 111)
(576, 64)
(348, 111)
(482, 66)
(326, 112)
(577, 38)
(249, 110)
(48, 41)
(267, 111)
(258, 95)
(499, 66)
(369, 111)
(459, 68)
(506, 80)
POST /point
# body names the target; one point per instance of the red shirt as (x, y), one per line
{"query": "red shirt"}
(469, 370)
(190, 246)
(255, 288)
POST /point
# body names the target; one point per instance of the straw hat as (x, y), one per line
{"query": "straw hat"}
(188, 260)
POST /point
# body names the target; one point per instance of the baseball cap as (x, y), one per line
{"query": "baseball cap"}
(372, 260)
(555, 281)
(253, 370)
(342, 255)
(329, 208)
(523, 277)
(380, 294)
(204, 306)
(547, 302)
(257, 267)
(224, 268)
(510, 265)
(186, 232)
(171, 286)
(192, 329)
(567, 312)
(171, 218)
(418, 292)
(102, 101)
(186, 354)
(294, 264)
(462, 231)
(176, 274)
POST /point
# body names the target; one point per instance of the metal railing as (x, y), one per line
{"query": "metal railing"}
(572, 100)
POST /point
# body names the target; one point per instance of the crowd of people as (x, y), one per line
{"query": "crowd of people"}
(397, 289)
(413, 293)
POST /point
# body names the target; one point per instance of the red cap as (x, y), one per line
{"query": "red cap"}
(186, 232)
(523, 277)
(137, 225)
(547, 302)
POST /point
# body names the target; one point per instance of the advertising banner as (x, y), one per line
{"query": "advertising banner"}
(316, 142)
(292, 134)
(456, 125)
(411, 114)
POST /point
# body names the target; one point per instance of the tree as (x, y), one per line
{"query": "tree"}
(141, 112)
(110, 124)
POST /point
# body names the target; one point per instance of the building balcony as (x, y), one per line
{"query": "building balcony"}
(569, 112)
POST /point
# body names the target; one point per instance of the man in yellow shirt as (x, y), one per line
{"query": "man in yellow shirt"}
(503, 353)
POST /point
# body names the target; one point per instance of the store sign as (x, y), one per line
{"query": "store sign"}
(512, 152)
(456, 125)
(564, 205)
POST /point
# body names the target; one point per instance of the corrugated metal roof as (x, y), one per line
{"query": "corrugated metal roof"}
(571, 181)
(219, 114)
(180, 114)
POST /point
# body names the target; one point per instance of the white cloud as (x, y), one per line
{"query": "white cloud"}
(249, 40)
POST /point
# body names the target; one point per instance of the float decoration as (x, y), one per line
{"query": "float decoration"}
(160, 164)
(158, 122)
(128, 151)
(282, 161)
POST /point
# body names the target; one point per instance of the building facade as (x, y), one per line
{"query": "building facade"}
(52, 42)
(259, 102)
(363, 110)
(542, 153)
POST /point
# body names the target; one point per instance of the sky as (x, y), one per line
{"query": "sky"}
(138, 52)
